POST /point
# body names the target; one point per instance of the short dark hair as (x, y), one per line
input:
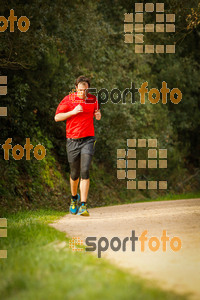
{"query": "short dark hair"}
(82, 79)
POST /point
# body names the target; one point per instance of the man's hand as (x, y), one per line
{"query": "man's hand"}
(97, 114)
(77, 109)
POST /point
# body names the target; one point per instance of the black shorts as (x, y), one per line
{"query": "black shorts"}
(77, 146)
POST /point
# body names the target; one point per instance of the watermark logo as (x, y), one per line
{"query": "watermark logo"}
(3, 91)
(127, 163)
(154, 95)
(23, 22)
(137, 26)
(164, 91)
(18, 150)
(75, 241)
(28, 147)
(90, 99)
(3, 233)
(153, 243)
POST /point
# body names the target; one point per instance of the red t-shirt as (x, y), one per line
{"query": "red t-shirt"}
(81, 124)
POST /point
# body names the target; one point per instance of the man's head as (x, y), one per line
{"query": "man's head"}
(82, 83)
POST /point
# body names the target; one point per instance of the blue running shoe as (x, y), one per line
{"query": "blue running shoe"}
(74, 205)
(83, 210)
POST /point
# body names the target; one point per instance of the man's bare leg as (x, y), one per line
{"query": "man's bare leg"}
(84, 188)
(74, 186)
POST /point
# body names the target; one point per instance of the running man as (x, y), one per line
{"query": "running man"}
(78, 109)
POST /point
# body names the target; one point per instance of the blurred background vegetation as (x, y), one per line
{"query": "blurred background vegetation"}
(67, 39)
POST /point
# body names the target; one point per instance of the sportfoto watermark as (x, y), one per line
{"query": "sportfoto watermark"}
(153, 243)
(23, 22)
(154, 95)
(28, 147)
(3, 233)
(3, 92)
(128, 163)
(164, 23)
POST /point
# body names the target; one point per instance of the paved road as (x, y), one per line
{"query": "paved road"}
(172, 270)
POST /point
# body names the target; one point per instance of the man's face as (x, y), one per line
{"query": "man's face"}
(81, 90)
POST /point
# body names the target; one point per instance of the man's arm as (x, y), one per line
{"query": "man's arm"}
(64, 116)
(97, 114)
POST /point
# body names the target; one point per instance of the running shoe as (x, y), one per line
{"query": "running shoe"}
(74, 205)
(83, 210)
